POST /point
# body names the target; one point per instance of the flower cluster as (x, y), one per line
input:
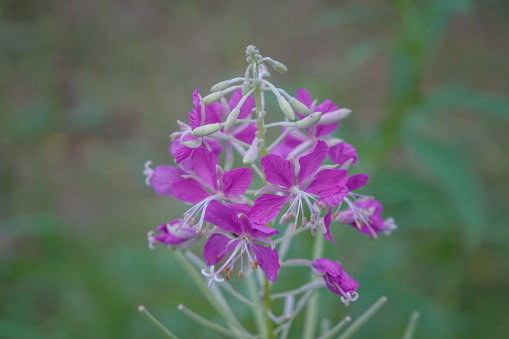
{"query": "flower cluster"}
(302, 180)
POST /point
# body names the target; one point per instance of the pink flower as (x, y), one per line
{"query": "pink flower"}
(171, 234)
(209, 183)
(242, 242)
(337, 280)
(311, 184)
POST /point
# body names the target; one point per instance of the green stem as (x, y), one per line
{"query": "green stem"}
(410, 328)
(206, 323)
(357, 324)
(312, 309)
(263, 152)
(160, 327)
(232, 322)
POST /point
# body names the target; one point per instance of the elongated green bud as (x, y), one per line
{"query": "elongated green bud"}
(192, 143)
(309, 121)
(278, 66)
(299, 106)
(334, 117)
(212, 97)
(251, 155)
(230, 121)
(286, 107)
(220, 86)
(246, 86)
(205, 130)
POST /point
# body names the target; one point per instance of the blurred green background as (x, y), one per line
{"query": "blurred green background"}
(90, 90)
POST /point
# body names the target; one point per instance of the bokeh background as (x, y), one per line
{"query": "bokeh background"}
(90, 90)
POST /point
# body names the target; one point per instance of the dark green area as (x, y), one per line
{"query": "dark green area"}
(90, 90)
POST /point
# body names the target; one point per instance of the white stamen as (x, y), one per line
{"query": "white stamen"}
(148, 172)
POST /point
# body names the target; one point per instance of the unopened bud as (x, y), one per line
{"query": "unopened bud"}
(299, 106)
(309, 121)
(192, 143)
(246, 86)
(220, 86)
(252, 153)
(232, 117)
(278, 66)
(205, 130)
(212, 97)
(286, 107)
(335, 116)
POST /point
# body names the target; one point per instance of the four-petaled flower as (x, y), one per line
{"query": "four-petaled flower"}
(312, 184)
(337, 280)
(244, 236)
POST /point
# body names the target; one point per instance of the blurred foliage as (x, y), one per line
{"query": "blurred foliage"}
(90, 90)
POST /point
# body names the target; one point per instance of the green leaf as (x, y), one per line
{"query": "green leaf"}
(452, 172)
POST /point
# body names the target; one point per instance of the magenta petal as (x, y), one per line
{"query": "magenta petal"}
(304, 97)
(267, 207)
(278, 171)
(246, 108)
(204, 164)
(182, 153)
(163, 176)
(347, 283)
(356, 181)
(237, 181)
(268, 260)
(189, 190)
(342, 152)
(215, 248)
(240, 208)
(327, 220)
(263, 231)
(213, 113)
(224, 217)
(327, 182)
(336, 198)
(245, 132)
(328, 266)
(310, 163)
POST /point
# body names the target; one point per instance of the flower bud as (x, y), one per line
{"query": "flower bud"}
(246, 86)
(299, 107)
(193, 143)
(212, 97)
(232, 117)
(334, 117)
(205, 130)
(251, 155)
(219, 86)
(309, 121)
(278, 66)
(286, 107)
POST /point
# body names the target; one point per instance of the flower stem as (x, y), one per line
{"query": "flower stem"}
(410, 328)
(160, 327)
(357, 324)
(312, 309)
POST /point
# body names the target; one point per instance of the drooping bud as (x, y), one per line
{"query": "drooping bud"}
(205, 130)
(193, 143)
(286, 107)
(299, 106)
(309, 121)
(251, 155)
(278, 66)
(246, 86)
(334, 117)
(220, 86)
(232, 117)
(212, 97)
